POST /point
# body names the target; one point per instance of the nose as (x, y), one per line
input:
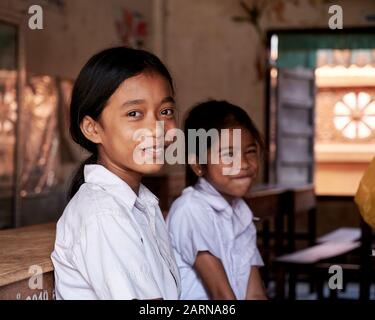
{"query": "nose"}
(155, 127)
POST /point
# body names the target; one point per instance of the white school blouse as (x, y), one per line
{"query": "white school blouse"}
(202, 220)
(112, 244)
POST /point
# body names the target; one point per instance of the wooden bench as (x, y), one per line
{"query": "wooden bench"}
(318, 252)
(333, 245)
(340, 235)
(24, 252)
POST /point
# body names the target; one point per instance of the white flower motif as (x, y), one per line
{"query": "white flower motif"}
(355, 115)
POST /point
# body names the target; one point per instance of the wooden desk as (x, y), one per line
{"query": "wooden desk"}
(265, 200)
(276, 204)
(301, 201)
(25, 260)
(268, 202)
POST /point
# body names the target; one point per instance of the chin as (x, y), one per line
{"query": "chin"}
(240, 192)
(150, 168)
(232, 191)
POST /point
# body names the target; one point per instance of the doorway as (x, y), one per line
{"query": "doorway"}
(320, 115)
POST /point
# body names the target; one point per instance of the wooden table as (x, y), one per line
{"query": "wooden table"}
(26, 270)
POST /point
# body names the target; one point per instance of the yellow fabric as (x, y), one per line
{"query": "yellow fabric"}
(365, 197)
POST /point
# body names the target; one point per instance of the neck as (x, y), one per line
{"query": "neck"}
(228, 198)
(132, 178)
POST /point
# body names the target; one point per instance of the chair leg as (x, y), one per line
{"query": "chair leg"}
(320, 288)
(312, 237)
(292, 284)
(365, 270)
(280, 283)
(266, 249)
(333, 294)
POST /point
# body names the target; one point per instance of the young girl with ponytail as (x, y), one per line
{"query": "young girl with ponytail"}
(111, 241)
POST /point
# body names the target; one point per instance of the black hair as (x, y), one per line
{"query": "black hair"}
(214, 114)
(97, 81)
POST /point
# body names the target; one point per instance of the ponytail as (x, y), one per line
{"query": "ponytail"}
(78, 178)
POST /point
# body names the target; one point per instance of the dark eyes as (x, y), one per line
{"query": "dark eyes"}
(231, 153)
(134, 114)
(252, 150)
(167, 112)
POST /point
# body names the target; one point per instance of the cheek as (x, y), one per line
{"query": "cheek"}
(120, 137)
(126, 134)
(128, 131)
(215, 173)
(170, 124)
(253, 163)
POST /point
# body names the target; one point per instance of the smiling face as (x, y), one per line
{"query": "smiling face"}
(137, 104)
(245, 165)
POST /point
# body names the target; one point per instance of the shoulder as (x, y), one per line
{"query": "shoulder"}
(91, 201)
(90, 204)
(190, 207)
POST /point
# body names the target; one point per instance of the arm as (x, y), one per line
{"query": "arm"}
(215, 280)
(255, 287)
(110, 256)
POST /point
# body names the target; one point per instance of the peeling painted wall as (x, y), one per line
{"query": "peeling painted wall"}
(73, 32)
(211, 56)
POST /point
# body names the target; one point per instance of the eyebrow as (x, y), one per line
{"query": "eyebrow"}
(168, 99)
(138, 102)
(130, 103)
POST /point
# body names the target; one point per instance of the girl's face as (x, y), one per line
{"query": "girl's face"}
(232, 186)
(138, 103)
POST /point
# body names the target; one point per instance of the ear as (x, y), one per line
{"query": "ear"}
(91, 129)
(198, 169)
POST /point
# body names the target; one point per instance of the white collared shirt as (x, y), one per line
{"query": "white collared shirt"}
(113, 244)
(202, 220)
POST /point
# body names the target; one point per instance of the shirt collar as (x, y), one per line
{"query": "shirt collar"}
(212, 196)
(101, 176)
(239, 207)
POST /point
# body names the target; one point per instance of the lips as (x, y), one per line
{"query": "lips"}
(242, 176)
(154, 151)
(242, 180)
(246, 179)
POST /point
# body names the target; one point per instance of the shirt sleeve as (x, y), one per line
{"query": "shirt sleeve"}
(257, 260)
(110, 255)
(192, 230)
